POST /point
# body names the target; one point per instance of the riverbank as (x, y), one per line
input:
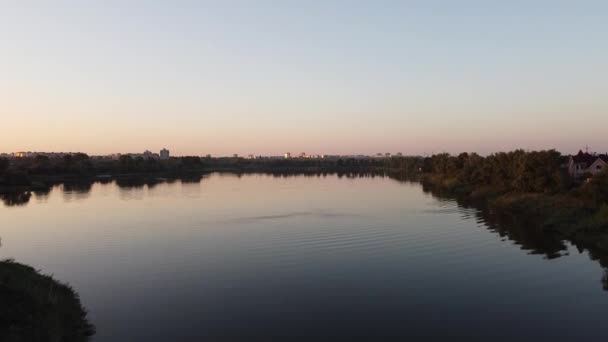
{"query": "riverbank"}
(32, 183)
(35, 307)
(576, 215)
(20, 174)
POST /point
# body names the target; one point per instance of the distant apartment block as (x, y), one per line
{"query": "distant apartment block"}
(164, 154)
(148, 154)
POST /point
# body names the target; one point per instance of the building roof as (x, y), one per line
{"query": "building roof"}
(588, 159)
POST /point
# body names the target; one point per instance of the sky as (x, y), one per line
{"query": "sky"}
(332, 77)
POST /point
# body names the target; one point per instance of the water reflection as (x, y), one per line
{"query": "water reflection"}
(131, 189)
(523, 231)
(152, 181)
(516, 229)
(16, 199)
(257, 255)
(308, 174)
(77, 190)
(42, 194)
(134, 183)
(520, 230)
(192, 179)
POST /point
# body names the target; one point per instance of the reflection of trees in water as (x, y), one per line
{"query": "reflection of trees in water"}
(131, 188)
(16, 199)
(523, 231)
(520, 230)
(191, 179)
(134, 188)
(104, 180)
(598, 255)
(82, 187)
(77, 190)
(319, 174)
(139, 183)
(42, 194)
(128, 183)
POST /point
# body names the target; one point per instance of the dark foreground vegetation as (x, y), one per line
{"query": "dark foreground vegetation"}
(35, 307)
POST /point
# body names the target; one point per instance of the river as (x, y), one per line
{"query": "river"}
(279, 258)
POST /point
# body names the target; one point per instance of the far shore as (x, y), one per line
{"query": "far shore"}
(537, 186)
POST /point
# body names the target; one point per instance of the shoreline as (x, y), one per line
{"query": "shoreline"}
(569, 214)
(46, 182)
(564, 215)
(36, 307)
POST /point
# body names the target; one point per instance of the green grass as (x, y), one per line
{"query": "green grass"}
(35, 307)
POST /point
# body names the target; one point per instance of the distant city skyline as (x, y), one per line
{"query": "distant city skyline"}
(331, 77)
(165, 153)
(243, 153)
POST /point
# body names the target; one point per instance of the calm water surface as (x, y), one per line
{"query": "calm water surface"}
(263, 258)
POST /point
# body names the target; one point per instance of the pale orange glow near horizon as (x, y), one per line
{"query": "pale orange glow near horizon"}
(261, 79)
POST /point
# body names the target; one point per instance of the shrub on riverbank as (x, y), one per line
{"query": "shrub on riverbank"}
(582, 209)
(35, 307)
(599, 220)
(534, 185)
(551, 212)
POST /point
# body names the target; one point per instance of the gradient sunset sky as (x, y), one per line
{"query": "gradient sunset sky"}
(333, 77)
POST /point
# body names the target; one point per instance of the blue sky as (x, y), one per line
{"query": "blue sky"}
(267, 77)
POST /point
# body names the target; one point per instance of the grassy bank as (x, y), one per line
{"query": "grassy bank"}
(577, 214)
(35, 307)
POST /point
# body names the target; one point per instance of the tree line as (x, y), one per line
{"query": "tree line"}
(535, 185)
(81, 164)
(536, 171)
(518, 171)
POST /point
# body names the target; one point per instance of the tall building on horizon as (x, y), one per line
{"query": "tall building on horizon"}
(164, 154)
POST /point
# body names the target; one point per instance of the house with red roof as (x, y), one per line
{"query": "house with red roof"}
(584, 163)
